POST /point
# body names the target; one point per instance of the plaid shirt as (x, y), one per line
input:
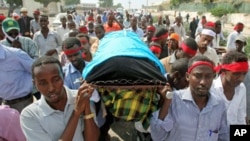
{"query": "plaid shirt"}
(28, 45)
(130, 105)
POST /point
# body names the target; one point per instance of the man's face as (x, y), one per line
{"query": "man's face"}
(234, 78)
(71, 25)
(63, 20)
(200, 80)
(239, 45)
(91, 27)
(99, 32)
(173, 44)
(150, 33)
(25, 13)
(44, 22)
(75, 58)
(133, 22)
(48, 79)
(218, 29)
(204, 41)
(13, 33)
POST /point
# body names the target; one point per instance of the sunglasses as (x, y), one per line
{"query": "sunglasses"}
(13, 33)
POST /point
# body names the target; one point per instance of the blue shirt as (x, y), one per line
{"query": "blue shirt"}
(15, 76)
(186, 122)
(72, 77)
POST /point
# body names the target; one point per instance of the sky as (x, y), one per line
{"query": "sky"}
(135, 4)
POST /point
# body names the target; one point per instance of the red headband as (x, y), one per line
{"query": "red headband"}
(161, 37)
(151, 28)
(238, 26)
(71, 51)
(187, 49)
(199, 63)
(155, 49)
(234, 67)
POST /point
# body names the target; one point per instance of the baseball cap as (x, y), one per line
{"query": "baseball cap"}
(9, 24)
(242, 39)
(37, 12)
(174, 36)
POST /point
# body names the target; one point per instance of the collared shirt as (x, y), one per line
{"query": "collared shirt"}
(53, 41)
(211, 54)
(28, 45)
(138, 31)
(10, 123)
(186, 122)
(15, 76)
(72, 77)
(180, 30)
(61, 31)
(34, 25)
(231, 40)
(40, 122)
(236, 108)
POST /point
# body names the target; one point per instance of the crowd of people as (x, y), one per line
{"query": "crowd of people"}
(47, 90)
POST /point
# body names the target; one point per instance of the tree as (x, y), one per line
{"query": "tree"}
(119, 5)
(46, 2)
(13, 5)
(72, 2)
(106, 3)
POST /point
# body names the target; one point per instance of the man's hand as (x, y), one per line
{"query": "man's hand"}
(82, 104)
(16, 44)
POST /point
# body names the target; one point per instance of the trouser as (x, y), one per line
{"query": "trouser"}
(20, 103)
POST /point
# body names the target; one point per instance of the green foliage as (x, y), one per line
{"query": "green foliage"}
(46, 2)
(247, 48)
(15, 3)
(220, 11)
(105, 3)
(72, 2)
(175, 2)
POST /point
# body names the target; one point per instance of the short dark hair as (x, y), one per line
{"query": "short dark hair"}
(83, 35)
(180, 65)
(199, 58)
(46, 60)
(70, 42)
(217, 23)
(160, 32)
(191, 43)
(234, 56)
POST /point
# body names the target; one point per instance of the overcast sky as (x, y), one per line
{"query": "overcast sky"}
(134, 3)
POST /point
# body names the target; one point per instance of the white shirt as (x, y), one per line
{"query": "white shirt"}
(180, 30)
(211, 54)
(40, 122)
(231, 40)
(61, 31)
(138, 31)
(53, 41)
(236, 108)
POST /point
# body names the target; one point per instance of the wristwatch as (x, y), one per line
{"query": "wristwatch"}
(169, 95)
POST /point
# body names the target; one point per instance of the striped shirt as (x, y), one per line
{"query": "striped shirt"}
(186, 122)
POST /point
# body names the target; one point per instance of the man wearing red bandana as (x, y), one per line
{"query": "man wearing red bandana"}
(232, 36)
(229, 87)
